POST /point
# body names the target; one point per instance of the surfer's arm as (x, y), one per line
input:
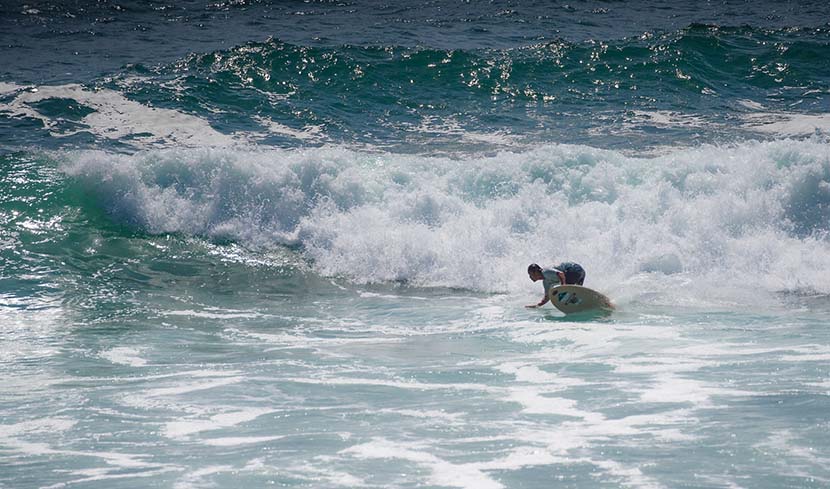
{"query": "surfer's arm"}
(541, 303)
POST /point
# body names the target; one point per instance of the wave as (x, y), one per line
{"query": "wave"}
(741, 214)
(694, 61)
(697, 84)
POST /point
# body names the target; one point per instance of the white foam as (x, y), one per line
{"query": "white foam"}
(665, 118)
(315, 475)
(187, 388)
(751, 104)
(426, 414)
(41, 425)
(535, 375)
(452, 126)
(670, 388)
(106, 474)
(12, 437)
(534, 402)
(125, 356)
(633, 476)
(213, 314)
(194, 479)
(309, 133)
(587, 340)
(232, 441)
(186, 427)
(789, 125)
(807, 357)
(116, 117)
(646, 229)
(288, 340)
(9, 88)
(27, 335)
(442, 473)
(397, 384)
(824, 385)
(795, 459)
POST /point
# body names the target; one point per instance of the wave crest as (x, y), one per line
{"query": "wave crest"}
(742, 214)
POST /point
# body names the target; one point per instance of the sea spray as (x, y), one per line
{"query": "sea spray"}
(738, 215)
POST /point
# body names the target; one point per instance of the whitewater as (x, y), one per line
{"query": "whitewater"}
(253, 244)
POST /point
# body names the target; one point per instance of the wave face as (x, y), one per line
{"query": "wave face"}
(736, 215)
(694, 61)
(698, 84)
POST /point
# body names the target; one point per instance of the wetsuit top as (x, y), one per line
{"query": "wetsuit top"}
(574, 274)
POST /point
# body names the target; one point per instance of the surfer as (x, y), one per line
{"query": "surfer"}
(564, 273)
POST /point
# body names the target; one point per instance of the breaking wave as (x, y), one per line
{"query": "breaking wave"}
(748, 213)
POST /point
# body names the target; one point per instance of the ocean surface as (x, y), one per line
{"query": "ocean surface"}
(284, 244)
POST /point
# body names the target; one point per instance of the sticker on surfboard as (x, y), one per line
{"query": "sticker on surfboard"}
(572, 299)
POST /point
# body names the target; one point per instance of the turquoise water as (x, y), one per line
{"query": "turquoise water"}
(247, 244)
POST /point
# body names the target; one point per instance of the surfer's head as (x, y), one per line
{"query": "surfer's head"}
(535, 272)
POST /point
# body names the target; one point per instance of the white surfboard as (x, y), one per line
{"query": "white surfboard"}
(572, 299)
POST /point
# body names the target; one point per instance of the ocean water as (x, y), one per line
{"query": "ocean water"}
(284, 244)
